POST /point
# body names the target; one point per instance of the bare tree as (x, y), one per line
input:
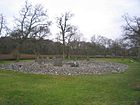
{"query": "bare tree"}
(71, 37)
(101, 40)
(32, 23)
(64, 26)
(32, 20)
(75, 43)
(132, 31)
(3, 27)
(1, 23)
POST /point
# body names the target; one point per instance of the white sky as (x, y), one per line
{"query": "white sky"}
(93, 17)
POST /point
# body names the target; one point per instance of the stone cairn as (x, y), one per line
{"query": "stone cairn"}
(58, 66)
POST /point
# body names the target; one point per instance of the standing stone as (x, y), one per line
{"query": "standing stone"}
(58, 62)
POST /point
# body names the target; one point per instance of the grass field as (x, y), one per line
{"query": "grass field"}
(108, 89)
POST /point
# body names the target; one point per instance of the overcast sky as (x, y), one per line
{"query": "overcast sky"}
(93, 17)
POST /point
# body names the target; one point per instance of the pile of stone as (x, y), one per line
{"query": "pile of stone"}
(66, 67)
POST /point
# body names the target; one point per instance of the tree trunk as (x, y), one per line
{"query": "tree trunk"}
(36, 55)
(16, 53)
(63, 45)
(68, 52)
(63, 51)
(36, 52)
(138, 55)
(105, 52)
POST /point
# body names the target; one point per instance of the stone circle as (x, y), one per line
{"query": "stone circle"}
(68, 67)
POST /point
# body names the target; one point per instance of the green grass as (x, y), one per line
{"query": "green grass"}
(13, 61)
(108, 89)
